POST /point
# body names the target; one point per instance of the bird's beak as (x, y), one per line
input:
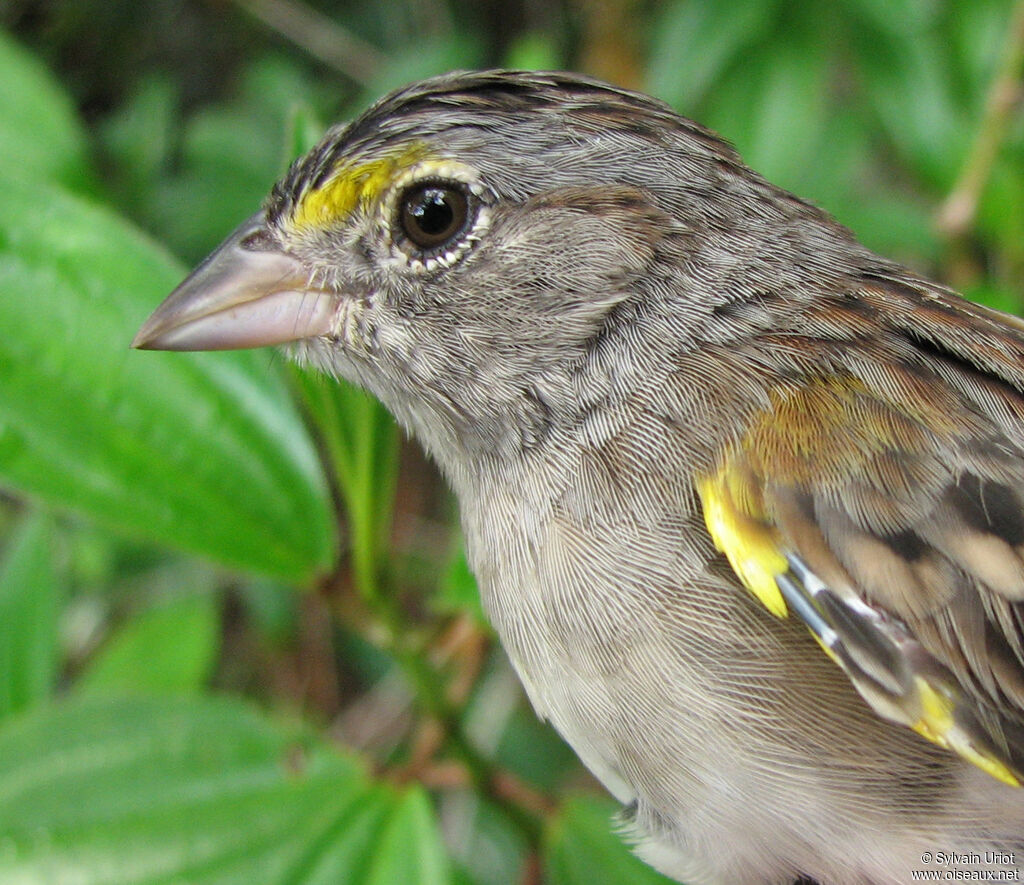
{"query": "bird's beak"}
(247, 293)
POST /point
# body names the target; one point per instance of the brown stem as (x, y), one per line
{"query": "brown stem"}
(441, 726)
(957, 213)
(533, 870)
(463, 645)
(506, 786)
(320, 36)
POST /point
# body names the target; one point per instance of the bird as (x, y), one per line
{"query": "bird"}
(742, 497)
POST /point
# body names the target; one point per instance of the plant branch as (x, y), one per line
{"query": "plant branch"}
(489, 779)
(359, 453)
(320, 36)
(381, 620)
(957, 213)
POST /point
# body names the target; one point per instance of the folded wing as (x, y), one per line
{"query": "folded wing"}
(881, 501)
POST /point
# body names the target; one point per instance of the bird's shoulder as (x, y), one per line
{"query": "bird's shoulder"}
(868, 476)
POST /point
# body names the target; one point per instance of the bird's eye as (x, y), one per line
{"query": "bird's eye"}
(433, 214)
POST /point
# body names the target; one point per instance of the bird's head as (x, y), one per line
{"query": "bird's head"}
(473, 246)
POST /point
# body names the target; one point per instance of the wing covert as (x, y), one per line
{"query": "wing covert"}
(895, 533)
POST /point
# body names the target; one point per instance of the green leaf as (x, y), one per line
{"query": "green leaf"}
(532, 749)
(458, 591)
(171, 647)
(791, 113)
(231, 153)
(912, 92)
(1008, 301)
(302, 131)
(534, 51)
(230, 162)
(138, 139)
(899, 19)
(40, 136)
(361, 441)
(580, 848)
(1001, 210)
(489, 844)
(409, 848)
(776, 113)
(271, 610)
(975, 39)
(147, 791)
(29, 602)
(432, 56)
(204, 452)
(694, 44)
(893, 223)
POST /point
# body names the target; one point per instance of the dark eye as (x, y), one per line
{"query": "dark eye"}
(432, 215)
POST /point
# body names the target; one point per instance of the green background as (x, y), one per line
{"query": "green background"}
(238, 640)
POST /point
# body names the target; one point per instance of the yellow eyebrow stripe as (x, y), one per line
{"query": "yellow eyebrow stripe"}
(351, 185)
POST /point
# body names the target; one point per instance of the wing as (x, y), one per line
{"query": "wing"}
(880, 499)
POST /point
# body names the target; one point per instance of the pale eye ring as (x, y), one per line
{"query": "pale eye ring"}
(433, 215)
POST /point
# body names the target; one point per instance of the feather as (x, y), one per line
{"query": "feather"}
(891, 524)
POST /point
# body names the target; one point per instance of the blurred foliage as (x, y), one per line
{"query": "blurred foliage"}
(227, 691)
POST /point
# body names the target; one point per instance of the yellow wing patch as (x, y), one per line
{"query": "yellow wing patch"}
(352, 185)
(869, 647)
(748, 544)
(938, 724)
